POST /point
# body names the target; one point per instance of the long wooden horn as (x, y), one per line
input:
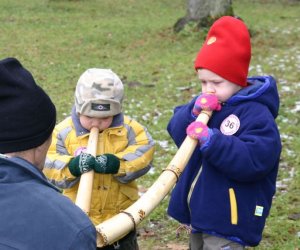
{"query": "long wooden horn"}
(85, 188)
(121, 224)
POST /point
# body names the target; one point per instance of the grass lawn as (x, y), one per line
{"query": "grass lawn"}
(57, 40)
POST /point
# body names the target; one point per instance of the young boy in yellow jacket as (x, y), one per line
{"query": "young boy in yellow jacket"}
(125, 149)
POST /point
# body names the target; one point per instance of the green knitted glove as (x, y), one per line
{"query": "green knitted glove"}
(107, 164)
(81, 164)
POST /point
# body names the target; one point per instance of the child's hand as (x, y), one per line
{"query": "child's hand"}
(104, 164)
(82, 163)
(206, 102)
(107, 164)
(198, 130)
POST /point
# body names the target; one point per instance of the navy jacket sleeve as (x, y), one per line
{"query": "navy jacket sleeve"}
(85, 240)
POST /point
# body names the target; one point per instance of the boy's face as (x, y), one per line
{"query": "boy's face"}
(101, 123)
(215, 84)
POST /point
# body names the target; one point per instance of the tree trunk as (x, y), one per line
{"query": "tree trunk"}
(204, 12)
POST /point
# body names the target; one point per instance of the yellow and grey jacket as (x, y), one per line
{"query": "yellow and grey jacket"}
(125, 138)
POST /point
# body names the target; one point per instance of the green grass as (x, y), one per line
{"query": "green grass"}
(59, 39)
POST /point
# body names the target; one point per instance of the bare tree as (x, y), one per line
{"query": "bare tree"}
(204, 12)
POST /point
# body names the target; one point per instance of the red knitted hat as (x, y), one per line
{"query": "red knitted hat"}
(227, 50)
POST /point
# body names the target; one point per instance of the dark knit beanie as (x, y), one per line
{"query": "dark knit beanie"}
(28, 115)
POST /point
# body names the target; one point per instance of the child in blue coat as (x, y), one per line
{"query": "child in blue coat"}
(225, 192)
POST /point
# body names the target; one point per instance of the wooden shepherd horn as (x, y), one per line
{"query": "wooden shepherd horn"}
(85, 188)
(121, 224)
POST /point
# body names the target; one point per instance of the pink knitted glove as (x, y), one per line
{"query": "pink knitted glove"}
(206, 102)
(198, 130)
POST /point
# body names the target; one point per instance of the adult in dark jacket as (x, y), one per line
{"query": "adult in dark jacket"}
(34, 215)
(225, 192)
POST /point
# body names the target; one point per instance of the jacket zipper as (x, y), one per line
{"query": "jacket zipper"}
(233, 207)
(192, 187)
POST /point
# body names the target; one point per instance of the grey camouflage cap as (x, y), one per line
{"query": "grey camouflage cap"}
(99, 93)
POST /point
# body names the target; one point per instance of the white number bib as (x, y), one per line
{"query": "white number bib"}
(230, 125)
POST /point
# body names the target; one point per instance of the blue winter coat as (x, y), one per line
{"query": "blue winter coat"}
(231, 194)
(35, 216)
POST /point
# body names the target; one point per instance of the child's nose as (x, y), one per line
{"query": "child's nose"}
(96, 122)
(210, 88)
